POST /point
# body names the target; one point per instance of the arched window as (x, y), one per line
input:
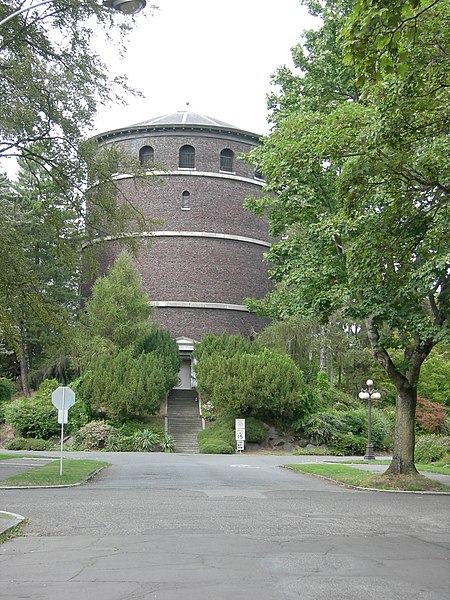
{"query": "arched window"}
(185, 201)
(187, 157)
(226, 160)
(146, 155)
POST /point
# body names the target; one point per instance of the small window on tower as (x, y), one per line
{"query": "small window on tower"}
(187, 157)
(226, 160)
(185, 201)
(146, 155)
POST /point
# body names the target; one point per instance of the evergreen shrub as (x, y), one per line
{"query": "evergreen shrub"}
(218, 438)
(240, 378)
(124, 386)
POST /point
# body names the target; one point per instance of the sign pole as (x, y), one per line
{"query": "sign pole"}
(62, 399)
(62, 433)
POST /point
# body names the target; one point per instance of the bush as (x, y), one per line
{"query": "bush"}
(342, 401)
(431, 416)
(124, 386)
(145, 441)
(255, 432)
(431, 448)
(6, 389)
(216, 447)
(21, 443)
(382, 426)
(321, 427)
(344, 444)
(167, 443)
(266, 385)
(218, 438)
(94, 435)
(35, 417)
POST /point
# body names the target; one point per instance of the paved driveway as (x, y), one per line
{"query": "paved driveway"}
(166, 527)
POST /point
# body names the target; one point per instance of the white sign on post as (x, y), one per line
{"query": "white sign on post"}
(62, 399)
(239, 426)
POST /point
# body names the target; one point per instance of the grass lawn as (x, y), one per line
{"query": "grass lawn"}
(349, 475)
(431, 468)
(74, 471)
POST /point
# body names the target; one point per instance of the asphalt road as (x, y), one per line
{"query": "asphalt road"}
(169, 526)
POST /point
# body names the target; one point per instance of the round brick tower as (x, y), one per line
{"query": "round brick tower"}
(208, 253)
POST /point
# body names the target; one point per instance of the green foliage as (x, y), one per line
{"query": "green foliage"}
(431, 448)
(145, 441)
(6, 389)
(123, 386)
(225, 345)
(238, 378)
(434, 381)
(357, 176)
(167, 443)
(118, 311)
(161, 343)
(218, 438)
(328, 427)
(320, 427)
(343, 444)
(21, 443)
(94, 435)
(35, 417)
(255, 431)
(323, 387)
(342, 401)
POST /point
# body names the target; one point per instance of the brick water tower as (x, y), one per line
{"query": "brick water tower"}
(207, 255)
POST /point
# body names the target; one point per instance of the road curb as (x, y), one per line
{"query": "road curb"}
(52, 487)
(366, 489)
(11, 522)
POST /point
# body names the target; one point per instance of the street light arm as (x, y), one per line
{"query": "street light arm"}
(127, 7)
(23, 10)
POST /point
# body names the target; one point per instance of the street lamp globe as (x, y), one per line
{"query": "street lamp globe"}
(369, 383)
(128, 7)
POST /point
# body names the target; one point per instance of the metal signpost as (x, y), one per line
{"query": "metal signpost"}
(62, 399)
(240, 434)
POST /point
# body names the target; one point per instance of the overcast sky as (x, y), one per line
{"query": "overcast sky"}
(218, 56)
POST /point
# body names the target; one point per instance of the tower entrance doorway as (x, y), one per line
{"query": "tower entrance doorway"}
(186, 375)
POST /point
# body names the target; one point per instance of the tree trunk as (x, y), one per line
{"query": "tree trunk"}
(323, 350)
(24, 369)
(403, 455)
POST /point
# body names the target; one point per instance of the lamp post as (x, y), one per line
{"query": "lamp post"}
(367, 394)
(128, 7)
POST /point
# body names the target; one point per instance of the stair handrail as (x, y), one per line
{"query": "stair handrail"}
(166, 416)
(200, 410)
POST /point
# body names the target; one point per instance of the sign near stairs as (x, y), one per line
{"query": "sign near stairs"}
(184, 421)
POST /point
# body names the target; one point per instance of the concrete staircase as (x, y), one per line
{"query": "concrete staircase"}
(184, 420)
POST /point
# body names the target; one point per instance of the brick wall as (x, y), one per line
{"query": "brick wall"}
(193, 269)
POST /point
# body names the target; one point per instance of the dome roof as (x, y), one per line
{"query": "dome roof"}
(181, 122)
(184, 117)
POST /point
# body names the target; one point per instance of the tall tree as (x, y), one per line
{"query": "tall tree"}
(359, 166)
(51, 83)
